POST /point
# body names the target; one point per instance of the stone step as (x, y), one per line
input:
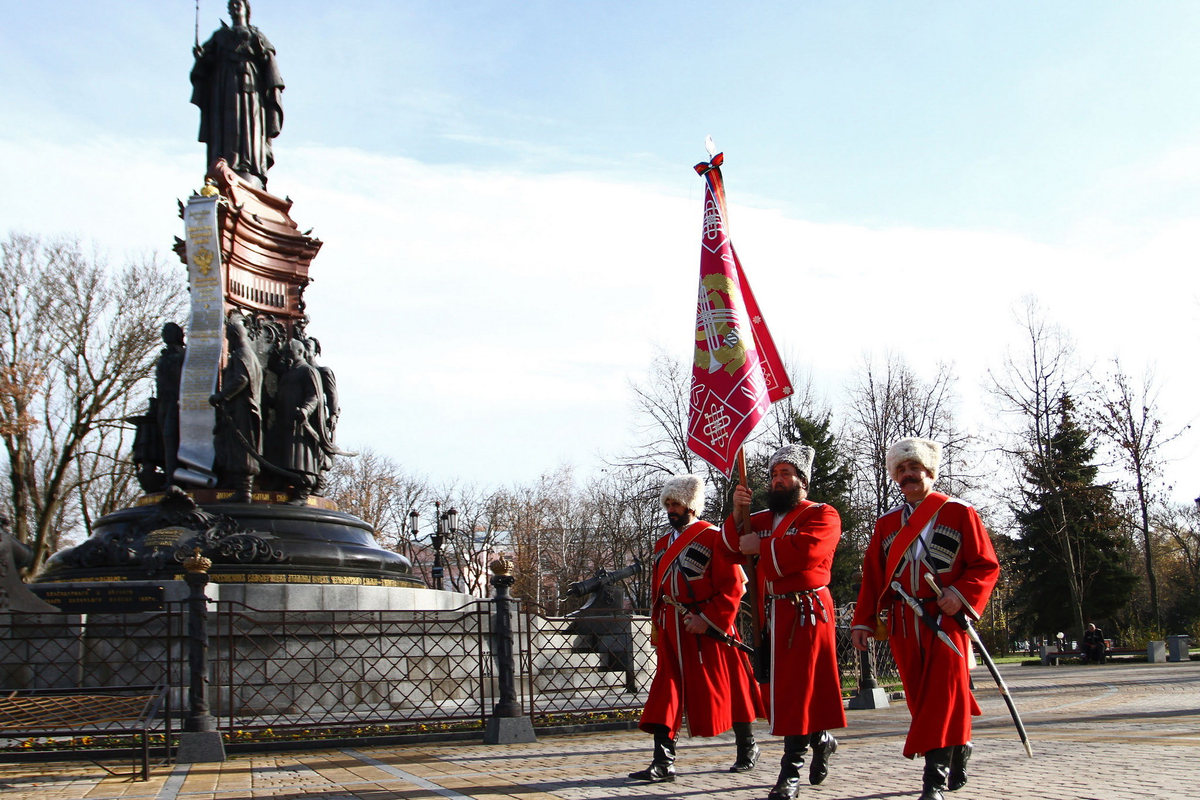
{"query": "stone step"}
(561, 679)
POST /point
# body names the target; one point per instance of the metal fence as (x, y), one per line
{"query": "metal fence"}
(370, 669)
(320, 674)
(82, 651)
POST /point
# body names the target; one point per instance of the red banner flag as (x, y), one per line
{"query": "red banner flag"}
(737, 372)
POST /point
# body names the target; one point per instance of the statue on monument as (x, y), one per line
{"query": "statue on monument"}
(297, 438)
(249, 425)
(167, 372)
(237, 85)
(238, 435)
(312, 348)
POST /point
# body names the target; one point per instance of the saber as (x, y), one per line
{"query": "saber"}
(965, 622)
(720, 636)
(926, 619)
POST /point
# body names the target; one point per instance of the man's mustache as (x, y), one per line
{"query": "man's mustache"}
(909, 480)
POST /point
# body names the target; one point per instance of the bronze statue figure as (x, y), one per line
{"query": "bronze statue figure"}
(332, 412)
(237, 85)
(167, 372)
(239, 414)
(297, 436)
(148, 448)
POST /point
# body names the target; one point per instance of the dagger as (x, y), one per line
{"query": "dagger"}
(720, 636)
(926, 618)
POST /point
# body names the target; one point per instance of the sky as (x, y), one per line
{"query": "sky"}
(511, 220)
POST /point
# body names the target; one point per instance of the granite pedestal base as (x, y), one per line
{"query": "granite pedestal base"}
(868, 699)
(200, 747)
(509, 730)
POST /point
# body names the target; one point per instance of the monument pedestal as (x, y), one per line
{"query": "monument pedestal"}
(248, 543)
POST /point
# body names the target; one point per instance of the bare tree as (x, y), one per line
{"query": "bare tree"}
(1180, 525)
(376, 489)
(661, 408)
(481, 534)
(1033, 387)
(1126, 417)
(77, 342)
(779, 426)
(889, 402)
(627, 521)
(105, 481)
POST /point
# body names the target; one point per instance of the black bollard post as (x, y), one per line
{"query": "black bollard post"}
(869, 694)
(200, 741)
(508, 723)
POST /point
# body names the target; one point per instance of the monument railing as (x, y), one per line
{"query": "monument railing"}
(374, 670)
(96, 681)
(83, 651)
(580, 669)
(297, 675)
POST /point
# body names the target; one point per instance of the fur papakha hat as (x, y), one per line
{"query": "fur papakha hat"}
(925, 452)
(686, 489)
(799, 456)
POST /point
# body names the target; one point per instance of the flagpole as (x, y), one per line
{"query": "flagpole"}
(751, 571)
(730, 401)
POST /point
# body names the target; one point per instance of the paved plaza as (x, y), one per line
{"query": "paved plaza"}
(1112, 731)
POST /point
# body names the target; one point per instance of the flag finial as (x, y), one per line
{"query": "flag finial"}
(710, 146)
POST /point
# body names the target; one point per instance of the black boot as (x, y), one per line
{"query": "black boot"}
(937, 773)
(747, 748)
(787, 786)
(823, 746)
(958, 765)
(662, 767)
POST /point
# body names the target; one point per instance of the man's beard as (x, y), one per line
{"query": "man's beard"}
(782, 501)
(678, 521)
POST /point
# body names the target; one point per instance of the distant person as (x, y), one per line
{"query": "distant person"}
(939, 536)
(699, 678)
(1093, 645)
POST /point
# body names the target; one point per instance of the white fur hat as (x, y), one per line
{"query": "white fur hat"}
(925, 452)
(799, 456)
(685, 489)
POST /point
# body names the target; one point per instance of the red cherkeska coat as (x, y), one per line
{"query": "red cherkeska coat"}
(698, 677)
(956, 550)
(805, 692)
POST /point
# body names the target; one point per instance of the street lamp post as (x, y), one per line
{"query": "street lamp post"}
(437, 538)
(447, 525)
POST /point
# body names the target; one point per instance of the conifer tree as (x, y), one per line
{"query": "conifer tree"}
(1071, 556)
(832, 478)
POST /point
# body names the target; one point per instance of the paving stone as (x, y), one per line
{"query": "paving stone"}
(1111, 732)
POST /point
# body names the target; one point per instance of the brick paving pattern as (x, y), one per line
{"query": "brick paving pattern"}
(1105, 732)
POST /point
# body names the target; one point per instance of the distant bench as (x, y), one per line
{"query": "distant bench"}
(100, 712)
(1155, 653)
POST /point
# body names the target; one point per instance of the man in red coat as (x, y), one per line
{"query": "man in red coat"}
(794, 540)
(698, 676)
(943, 537)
